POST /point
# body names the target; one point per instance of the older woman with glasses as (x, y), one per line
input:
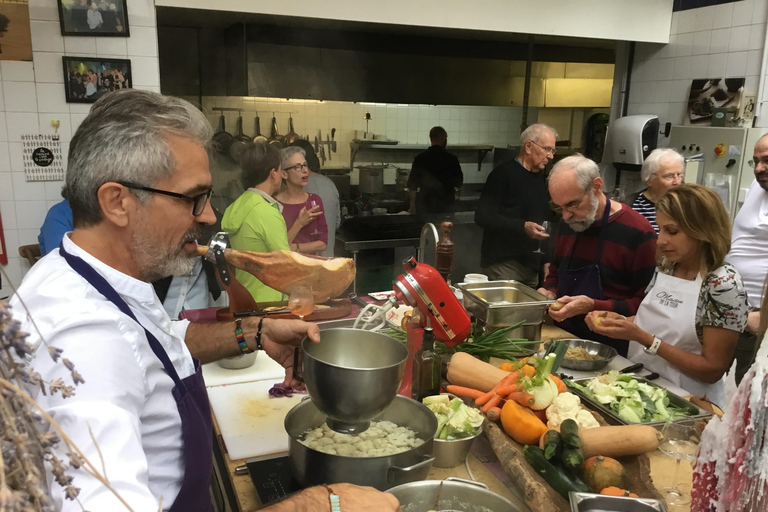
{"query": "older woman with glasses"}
(303, 212)
(662, 170)
(687, 326)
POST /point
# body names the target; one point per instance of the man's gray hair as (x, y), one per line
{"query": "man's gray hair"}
(585, 170)
(287, 153)
(124, 138)
(534, 132)
(655, 159)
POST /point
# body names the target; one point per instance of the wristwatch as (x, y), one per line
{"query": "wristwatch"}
(654, 347)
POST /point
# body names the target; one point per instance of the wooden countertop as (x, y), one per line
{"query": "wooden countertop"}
(247, 500)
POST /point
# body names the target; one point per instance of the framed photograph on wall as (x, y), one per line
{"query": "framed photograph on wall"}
(86, 79)
(94, 17)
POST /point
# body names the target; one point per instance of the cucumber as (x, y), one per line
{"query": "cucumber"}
(569, 432)
(553, 444)
(572, 459)
(557, 478)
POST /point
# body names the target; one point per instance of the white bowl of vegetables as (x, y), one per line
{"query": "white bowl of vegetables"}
(457, 427)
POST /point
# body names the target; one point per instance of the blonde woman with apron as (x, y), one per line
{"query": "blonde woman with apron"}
(687, 326)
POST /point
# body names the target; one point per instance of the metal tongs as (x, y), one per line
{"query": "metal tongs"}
(216, 247)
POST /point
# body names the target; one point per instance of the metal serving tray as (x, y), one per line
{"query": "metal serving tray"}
(587, 502)
(504, 303)
(613, 418)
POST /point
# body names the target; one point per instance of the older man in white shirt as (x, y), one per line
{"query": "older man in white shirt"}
(749, 252)
(139, 186)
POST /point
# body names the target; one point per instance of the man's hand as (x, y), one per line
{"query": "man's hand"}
(352, 498)
(578, 305)
(535, 231)
(280, 339)
(617, 326)
(548, 294)
(753, 322)
(307, 216)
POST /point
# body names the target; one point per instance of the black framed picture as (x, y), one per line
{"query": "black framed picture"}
(94, 17)
(86, 79)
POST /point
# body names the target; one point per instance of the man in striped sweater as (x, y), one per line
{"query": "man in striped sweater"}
(604, 254)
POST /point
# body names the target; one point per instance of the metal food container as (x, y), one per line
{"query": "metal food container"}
(453, 494)
(588, 502)
(605, 352)
(499, 304)
(613, 418)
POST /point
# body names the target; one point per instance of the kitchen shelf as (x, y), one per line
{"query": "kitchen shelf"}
(481, 150)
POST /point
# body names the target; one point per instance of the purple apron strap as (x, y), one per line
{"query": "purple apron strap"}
(191, 400)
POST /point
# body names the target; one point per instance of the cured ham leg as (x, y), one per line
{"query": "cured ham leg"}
(282, 270)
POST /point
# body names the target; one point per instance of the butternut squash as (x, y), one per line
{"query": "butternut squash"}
(466, 370)
(618, 441)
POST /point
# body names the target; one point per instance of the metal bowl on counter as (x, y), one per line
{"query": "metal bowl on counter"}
(352, 375)
(312, 467)
(454, 494)
(593, 348)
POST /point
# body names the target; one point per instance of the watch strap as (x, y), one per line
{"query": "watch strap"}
(654, 348)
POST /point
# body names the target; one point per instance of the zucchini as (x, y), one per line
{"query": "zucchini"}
(569, 432)
(573, 459)
(557, 478)
(553, 444)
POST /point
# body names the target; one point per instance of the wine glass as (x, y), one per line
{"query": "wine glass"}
(301, 301)
(311, 203)
(545, 229)
(680, 439)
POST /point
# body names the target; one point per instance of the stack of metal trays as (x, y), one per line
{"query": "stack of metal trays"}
(499, 304)
(613, 418)
(587, 502)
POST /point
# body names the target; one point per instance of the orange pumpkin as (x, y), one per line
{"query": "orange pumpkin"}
(615, 491)
(601, 472)
(521, 423)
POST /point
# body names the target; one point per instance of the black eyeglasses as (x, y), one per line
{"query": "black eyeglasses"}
(570, 207)
(198, 201)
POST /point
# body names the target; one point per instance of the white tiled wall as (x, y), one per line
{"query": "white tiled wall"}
(409, 124)
(709, 42)
(32, 94)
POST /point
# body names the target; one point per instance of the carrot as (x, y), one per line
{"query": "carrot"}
(463, 391)
(506, 381)
(561, 387)
(493, 402)
(483, 399)
(503, 391)
(510, 379)
(493, 414)
(525, 399)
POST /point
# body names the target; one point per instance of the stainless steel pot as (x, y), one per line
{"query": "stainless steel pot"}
(371, 179)
(311, 467)
(455, 494)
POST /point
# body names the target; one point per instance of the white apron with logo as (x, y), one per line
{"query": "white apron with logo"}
(669, 313)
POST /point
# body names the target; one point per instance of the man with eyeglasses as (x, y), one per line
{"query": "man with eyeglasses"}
(749, 252)
(605, 252)
(662, 170)
(138, 182)
(512, 208)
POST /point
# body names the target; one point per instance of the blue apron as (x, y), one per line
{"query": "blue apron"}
(191, 400)
(586, 281)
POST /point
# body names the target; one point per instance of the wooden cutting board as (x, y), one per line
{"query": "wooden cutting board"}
(251, 423)
(265, 368)
(338, 308)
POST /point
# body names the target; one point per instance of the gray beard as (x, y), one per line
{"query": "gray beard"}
(156, 261)
(579, 225)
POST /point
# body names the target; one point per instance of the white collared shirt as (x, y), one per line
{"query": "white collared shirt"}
(126, 399)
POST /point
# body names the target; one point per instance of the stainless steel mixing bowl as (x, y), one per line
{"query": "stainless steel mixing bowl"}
(353, 375)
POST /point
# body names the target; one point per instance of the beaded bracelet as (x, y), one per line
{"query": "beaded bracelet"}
(240, 338)
(335, 502)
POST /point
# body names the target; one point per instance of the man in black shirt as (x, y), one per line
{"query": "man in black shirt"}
(435, 175)
(512, 207)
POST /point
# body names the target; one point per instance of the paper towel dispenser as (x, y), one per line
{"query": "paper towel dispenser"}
(632, 140)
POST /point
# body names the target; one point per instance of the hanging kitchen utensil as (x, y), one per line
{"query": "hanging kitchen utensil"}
(317, 145)
(258, 138)
(275, 139)
(240, 141)
(222, 139)
(328, 141)
(333, 141)
(291, 136)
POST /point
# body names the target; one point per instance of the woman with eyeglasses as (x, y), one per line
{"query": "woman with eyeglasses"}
(662, 170)
(688, 324)
(303, 212)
